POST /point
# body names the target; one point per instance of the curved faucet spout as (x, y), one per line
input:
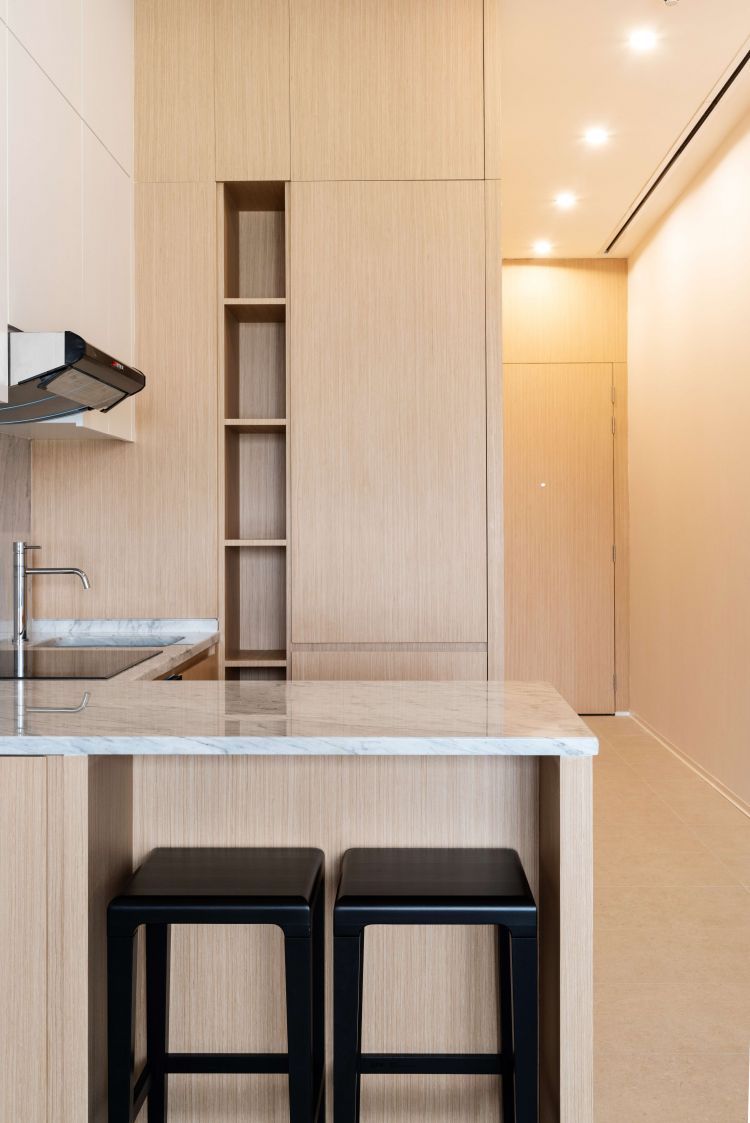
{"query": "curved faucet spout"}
(62, 569)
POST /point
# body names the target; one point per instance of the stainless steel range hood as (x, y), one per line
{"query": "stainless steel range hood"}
(58, 374)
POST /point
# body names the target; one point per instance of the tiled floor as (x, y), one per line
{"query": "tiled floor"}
(672, 938)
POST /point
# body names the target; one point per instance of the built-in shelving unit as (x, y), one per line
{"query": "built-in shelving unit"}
(252, 438)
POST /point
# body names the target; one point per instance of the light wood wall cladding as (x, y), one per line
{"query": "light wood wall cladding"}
(251, 45)
(559, 529)
(622, 540)
(141, 519)
(492, 89)
(565, 311)
(425, 990)
(388, 441)
(174, 90)
(389, 89)
(23, 938)
(371, 666)
(494, 412)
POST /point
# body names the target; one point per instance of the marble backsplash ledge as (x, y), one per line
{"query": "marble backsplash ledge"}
(15, 516)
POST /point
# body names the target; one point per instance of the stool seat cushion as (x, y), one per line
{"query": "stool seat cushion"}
(432, 886)
(244, 873)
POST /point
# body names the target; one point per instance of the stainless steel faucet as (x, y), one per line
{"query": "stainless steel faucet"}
(20, 600)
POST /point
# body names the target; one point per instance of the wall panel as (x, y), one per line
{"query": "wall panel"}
(388, 433)
(388, 89)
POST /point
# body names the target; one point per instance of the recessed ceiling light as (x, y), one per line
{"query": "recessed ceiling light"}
(542, 247)
(643, 39)
(565, 200)
(596, 136)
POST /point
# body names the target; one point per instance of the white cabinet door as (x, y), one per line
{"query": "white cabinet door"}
(108, 75)
(44, 200)
(51, 33)
(107, 234)
(3, 213)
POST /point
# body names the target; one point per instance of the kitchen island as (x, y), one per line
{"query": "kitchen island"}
(87, 791)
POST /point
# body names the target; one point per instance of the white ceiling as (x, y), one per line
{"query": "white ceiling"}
(567, 65)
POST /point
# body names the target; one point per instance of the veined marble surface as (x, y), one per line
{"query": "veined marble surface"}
(289, 718)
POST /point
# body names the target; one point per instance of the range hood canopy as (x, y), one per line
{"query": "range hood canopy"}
(58, 374)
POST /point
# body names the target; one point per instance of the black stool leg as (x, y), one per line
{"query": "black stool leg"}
(157, 1017)
(120, 1024)
(524, 968)
(319, 991)
(347, 1026)
(505, 980)
(298, 952)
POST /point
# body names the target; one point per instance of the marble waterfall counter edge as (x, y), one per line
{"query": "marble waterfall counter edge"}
(289, 719)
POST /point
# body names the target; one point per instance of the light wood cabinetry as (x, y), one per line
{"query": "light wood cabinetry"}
(51, 33)
(44, 200)
(389, 89)
(252, 429)
(388, 436)
(107, 79)
(251, 44)
(174, 90)
(371, 666)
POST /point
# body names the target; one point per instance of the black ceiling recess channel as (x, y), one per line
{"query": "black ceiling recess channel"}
(695, 129)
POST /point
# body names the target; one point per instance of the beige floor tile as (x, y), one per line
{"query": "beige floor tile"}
(695, 801)
(675, 910)
(656, 989)
(633, 1087)
(672, 857)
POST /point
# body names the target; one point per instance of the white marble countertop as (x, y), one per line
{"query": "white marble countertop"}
(195, 637)
(42, 718)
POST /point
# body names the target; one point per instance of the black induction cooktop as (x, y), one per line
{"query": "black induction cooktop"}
(51, 662)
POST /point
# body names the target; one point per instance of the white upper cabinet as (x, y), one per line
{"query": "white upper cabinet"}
(3, 212)
(51, 33)
(107, 79)
(107, 235)
(44, 200)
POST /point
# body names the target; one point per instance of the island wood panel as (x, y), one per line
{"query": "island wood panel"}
(174, 90)
(371, 666)
(23, 939)
(428, 990)
(566, 940)
(388, 432)
(251, 49)
(388, 89)
(141, 519)
(565, 311)
(559, 530)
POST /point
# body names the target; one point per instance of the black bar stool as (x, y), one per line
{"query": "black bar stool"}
(216, 886)
(405, 886)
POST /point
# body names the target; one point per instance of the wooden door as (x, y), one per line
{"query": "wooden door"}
(559, 511)
(388, 409)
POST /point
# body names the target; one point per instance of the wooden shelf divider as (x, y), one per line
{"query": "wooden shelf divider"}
(253, 561)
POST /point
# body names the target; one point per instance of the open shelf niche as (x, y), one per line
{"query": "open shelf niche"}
(253, 447)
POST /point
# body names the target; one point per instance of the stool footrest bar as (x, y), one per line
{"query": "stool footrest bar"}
(236, 1063)
(141, 1090)
(434, 1064)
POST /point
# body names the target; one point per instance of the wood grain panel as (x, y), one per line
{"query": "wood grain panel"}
(389, 89)
(492, 89)
(494, 406)
(174, 90)
(141, 519)
(423, 989)
(559, 530)
(23, 939)
(388, 441)
(251, 51)
(370, 666)
(565, 311)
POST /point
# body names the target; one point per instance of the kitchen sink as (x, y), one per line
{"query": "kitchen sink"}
(118, 639)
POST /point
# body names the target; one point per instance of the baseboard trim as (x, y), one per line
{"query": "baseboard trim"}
(699, 770)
